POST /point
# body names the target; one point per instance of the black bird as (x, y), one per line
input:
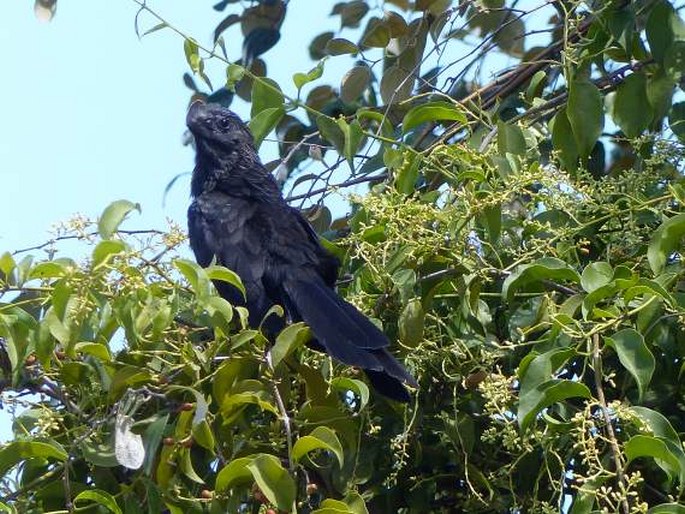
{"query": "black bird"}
(239, 217)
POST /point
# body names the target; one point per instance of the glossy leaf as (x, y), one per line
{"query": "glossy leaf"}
(596, 275)
(510, 139)
(658, 449)
(632, 109)
(634, 355)
(264, 122)
(321, 438)
(102, 498)
(665, 240)
(432, 111)
(547, 394)
(300, 79)
(233, 474)
(585, 114)
(113, 215)
(13, 453)
(546, 268)
(564, 141)
(273, 480)
(290, 338)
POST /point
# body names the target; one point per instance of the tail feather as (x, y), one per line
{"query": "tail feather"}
(388, 386)
(349, 336)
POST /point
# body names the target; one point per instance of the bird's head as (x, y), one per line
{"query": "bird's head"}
(217, 130)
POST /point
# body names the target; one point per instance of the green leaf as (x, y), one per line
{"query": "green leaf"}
(632, 111)
(432, 112)
(585, 114)
(563, 140)
(7, 265)
(331, 132)
(546, 394)
(407, 175)
(353, 136)
(195, 275)
(536, 86)
(510, 139)
(376, 34)
(266, 94)
(659, 29)
(340, 46)
(492, 219)
(354, 82)
(51, 269)
(264, 122)
(192, 52)
(546, 268)
(274, 481)
(203, 435)
(97, 350)
(321, 438)
(290, 338)
(351, 13)
(113, 215)
(355, 502)
(665, 241)
(667, 508)
(657, 423)
(411, 323)
(13, 453)
(151, 440)
(596, 275)
(102, 498)
(329, 506)
(535, 370)
(226, 275)
(105, 250)
(634, 355)
(157, 27)
(234, 74)
(676, 120)
(397, 84)
(356, 386)
(300, 79)
(657, 448)
(58, 329)
(233, 474)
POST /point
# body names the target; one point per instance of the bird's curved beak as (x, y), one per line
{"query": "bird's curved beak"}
(195, 112)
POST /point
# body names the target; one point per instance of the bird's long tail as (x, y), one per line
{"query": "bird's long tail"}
(349, 336)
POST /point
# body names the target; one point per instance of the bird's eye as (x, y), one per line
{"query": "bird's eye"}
(224, 123)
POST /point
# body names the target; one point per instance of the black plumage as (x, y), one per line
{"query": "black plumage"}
(239, 218)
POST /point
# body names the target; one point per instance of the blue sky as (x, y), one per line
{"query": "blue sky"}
(92, 114)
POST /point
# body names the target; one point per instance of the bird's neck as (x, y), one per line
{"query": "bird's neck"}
(243, 177)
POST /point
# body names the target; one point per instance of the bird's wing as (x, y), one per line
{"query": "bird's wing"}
(219, 227)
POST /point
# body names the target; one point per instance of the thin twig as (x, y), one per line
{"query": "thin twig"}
(347, 183)
(615, 450)
(284, 414)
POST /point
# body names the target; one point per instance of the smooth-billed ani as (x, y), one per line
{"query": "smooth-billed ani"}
(239, 218)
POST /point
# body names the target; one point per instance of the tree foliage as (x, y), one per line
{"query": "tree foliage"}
(521, 241)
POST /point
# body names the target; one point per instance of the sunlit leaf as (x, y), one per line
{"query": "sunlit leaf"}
(432, 112)
(102, 498)
(321, 438)
(113, 215)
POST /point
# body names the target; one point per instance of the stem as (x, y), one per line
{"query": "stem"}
(284, 414)
(615, 450)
